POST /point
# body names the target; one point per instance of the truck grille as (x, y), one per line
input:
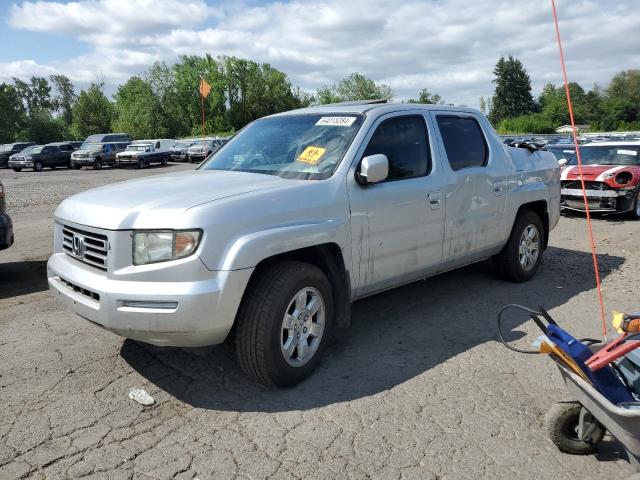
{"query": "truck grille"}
(577, 184)
(88, 247)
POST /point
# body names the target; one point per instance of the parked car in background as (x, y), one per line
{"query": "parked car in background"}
(203, 148)
(611, 174)
(108, 138)
(299, 215)
(9, 149)
(562, 152)
(142, 154)
(179, 150)
(6, 225)
(97, 155)
(39, 157)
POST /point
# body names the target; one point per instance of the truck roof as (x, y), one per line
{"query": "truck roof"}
(628, 143)
(378, 108)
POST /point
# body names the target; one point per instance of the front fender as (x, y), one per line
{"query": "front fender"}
(248, 250)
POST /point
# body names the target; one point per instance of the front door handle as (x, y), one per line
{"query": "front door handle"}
(435, 200)
(498, 188)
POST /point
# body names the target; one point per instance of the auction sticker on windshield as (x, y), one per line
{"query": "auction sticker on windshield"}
(628, 152)
(312, 155)
(336, 121)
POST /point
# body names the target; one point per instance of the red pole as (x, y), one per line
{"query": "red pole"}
(584, 192)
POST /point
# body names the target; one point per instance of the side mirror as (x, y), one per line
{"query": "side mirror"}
(562, 162)
(373, 169)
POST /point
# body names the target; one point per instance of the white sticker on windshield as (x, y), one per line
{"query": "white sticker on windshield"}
(336, 121)
(628, 152)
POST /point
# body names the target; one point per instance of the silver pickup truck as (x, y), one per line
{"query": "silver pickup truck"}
(272, 238)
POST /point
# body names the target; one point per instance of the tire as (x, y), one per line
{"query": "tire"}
(267, 305)
(17, 169)
(562, 423)
(37, 166)
(515, 264)
(97, 164)
(164, 161)
(190, 159)
(141, 164)
(76, 166)
(635, 211)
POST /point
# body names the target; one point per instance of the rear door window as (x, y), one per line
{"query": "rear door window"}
(404, 142)
(463, 141)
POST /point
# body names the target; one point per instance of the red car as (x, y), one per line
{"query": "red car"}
(611, 175)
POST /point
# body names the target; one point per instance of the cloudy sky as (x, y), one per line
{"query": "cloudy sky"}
(448, 46)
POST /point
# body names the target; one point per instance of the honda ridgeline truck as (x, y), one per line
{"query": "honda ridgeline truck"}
(271, 239)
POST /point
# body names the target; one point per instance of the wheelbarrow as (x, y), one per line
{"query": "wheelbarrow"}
(577, 427)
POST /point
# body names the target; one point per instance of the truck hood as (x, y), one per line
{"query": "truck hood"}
(597, 172)
(159, 201)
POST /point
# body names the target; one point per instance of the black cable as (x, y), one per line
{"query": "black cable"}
(534, 315)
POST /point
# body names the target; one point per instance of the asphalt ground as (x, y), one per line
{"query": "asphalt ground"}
(417, 388)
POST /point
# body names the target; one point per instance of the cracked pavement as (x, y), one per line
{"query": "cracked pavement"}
(417, 388)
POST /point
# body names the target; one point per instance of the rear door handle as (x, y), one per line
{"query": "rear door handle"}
(435, 200)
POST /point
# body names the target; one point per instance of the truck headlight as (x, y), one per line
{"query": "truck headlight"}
(164, 245)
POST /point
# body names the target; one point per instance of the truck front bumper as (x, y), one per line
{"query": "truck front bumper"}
(20, 164)
(177, 313)
(84, 161)
(599, 201)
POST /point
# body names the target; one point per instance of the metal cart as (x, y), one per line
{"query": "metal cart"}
(577, 427)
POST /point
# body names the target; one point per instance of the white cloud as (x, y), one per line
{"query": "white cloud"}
(449, 47)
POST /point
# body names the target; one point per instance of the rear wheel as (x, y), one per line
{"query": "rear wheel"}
(284, 323)
(635, 211)
(38, 166)
(521, 257)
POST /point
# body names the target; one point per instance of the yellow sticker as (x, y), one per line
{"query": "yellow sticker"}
(312, 155)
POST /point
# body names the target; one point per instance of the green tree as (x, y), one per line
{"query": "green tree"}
(428, 98)
(36, 94)
(531, 123)
(512, 96)
(92, 112)
(64, 98)
(621, 105)
(354, 87)
(137, 110)
(43, 128)
(13, 118)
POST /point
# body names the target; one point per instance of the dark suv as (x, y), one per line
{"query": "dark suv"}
(9, 149)
(6, 226)
(38, 157)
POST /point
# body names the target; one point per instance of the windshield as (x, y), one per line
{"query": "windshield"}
(137, 148)
(608, 155)
(29, 150)
(306, 147)
(562, 153)
(34, 150)
(91, 146)
(5, 148)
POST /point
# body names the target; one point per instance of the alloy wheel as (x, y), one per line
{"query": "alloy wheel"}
(302, 327)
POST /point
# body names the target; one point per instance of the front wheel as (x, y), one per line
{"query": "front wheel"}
(164, 161)
(521, 257)
(97, 164)
(284, 323)
(635, 211)
(141, 164)
(38, 166)
(563, 425)
(17, 169)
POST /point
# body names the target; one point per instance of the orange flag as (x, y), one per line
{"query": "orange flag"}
(205, 88)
